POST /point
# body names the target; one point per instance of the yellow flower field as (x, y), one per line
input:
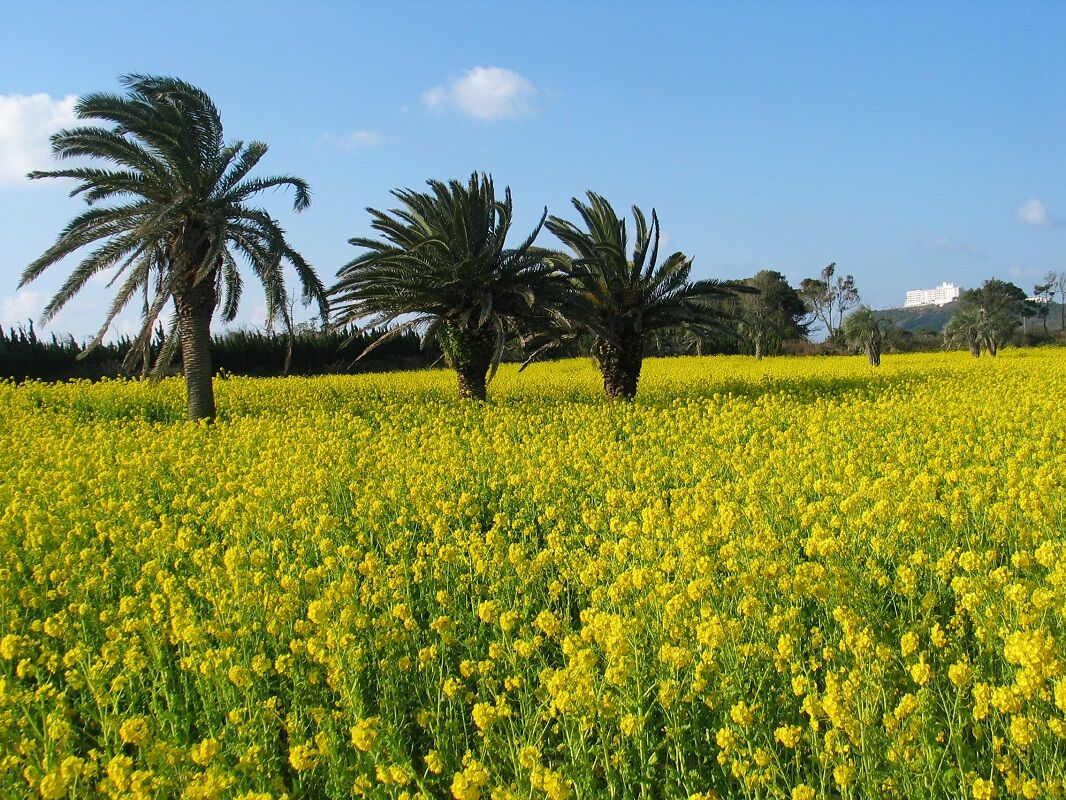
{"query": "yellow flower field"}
(796, 578)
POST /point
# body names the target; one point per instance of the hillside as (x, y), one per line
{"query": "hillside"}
(933, 318)
(936, 317)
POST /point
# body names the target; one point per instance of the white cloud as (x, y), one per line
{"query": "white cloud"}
(20, 307)
(356, 140)
(26, 122)
(435, 98)
(484, 93)
(1018, 272)
(947, 244)
(1035, 212)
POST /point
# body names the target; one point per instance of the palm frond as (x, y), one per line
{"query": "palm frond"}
(179, 213)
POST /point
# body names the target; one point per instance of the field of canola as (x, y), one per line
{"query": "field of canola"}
(800, 578)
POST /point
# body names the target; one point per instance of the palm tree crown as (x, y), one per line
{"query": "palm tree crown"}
(967, 328)
(178, 223)
(618, 299)
(442, 261)
(862, 331)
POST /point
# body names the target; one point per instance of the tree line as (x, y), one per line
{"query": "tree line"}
(307, 350)
(180, 218)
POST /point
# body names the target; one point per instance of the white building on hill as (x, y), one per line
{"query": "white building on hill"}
(941, 295)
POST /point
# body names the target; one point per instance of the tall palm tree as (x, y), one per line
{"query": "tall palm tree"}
(442, 261)
(179, 221)
(618, 300)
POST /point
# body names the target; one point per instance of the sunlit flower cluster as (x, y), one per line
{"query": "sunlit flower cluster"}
(795, 578)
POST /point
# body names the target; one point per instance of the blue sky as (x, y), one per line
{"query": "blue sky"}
(910, 143)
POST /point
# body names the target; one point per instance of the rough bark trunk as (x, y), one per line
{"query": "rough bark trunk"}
(469, 353)
(620, 365)
(758, 347)
(195, 305)
(873, 348)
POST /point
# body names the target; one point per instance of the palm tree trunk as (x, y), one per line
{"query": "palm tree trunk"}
(620, 365)
(195, 307)
(469, 353)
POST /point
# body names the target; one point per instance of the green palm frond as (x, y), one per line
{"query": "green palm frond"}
(617, 293)
(173, 207)
(441, 258)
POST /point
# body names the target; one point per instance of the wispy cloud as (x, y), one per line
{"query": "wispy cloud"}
(356, 140)
(1020, 273)
(20, 307)
(1034, 212)
(484, 93)
(26, 122)
(947, 244)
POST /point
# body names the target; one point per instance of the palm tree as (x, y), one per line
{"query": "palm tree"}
(966, 328)
(178, 224)
(443, 263)
(618, 300)
(862, 330)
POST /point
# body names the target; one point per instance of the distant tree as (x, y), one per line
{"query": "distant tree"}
(1043, 292)
(1057, 281)
(816, 296)
(829, 297)
(862, 332)
(991, 312)
(964, 329)
(770, 316)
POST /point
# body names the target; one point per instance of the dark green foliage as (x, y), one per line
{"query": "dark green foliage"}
(442, 263)
(318, 352)
(23, 356)
(986, 317)
(770, 316)
(621, 300)
(895, 339)
(862, 333)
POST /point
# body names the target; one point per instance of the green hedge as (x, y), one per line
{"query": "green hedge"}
(26, 356)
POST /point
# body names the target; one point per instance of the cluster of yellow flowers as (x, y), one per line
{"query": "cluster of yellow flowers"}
(795, 578)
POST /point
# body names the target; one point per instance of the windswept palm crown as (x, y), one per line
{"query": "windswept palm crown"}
(967, 328)
(442, 268)
(178, 223)
(862, 330)
(619, 299)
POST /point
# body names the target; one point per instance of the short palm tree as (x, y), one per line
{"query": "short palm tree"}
(443, 270)
(179, 221)
(967, 328)
(862, 331)
(617, 300)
